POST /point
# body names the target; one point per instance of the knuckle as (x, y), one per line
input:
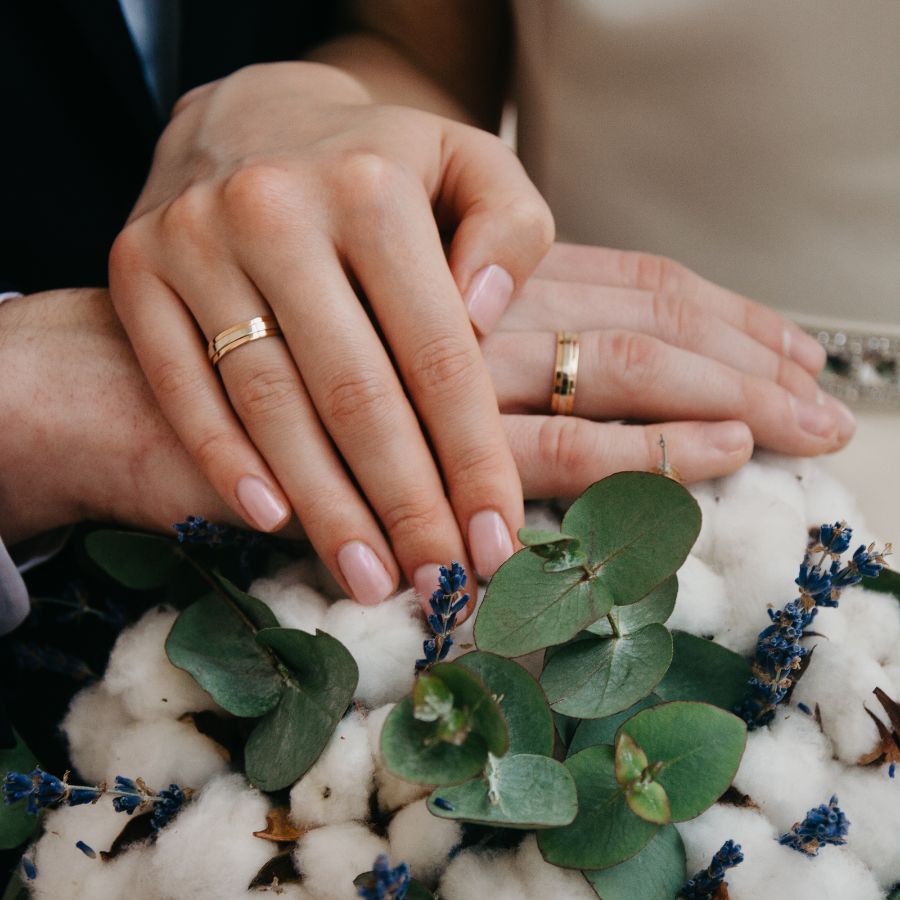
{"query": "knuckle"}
(256, 194)
(658, 273)
(677, 319)
(479, 468)
(444, 366)
(354, 401)
(631, 359)
(367, 178)
(126, 253)
(411, 515)
(174, 381)
(189, 213)
(532, 223)
(211, 449)
(565, 444)
(267, 391)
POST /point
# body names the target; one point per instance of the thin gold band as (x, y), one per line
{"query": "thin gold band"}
(565, 374)
(240, 334)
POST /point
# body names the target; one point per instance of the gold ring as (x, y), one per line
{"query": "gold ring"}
(562, 401)
(240, 334)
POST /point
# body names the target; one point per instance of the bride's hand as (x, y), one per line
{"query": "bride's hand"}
(658, 344)
(284, 190)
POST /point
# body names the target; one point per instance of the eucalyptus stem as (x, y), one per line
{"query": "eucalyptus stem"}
(612, 624)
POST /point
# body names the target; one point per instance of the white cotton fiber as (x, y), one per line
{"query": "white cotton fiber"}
(840, 679)
(94, 719)
(542, 880)
(385, 640)
(295, 603)
(871, 622)
(330, 858)
(787, 768)
(337, 787)
(706, 493)
(140, 672)
(827, 500)
(393, 792)
(871, 801)
(493, 876)
(162, 752)
(702, 604)
(208, 852)
(62, 868)
(422, 840)
(121, 877)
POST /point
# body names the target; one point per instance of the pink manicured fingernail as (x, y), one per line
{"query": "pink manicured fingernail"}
(813, 418)
(266, 510)
(425, 580)
(803, 349)
(489, 542)
(729, 437)
(488, 296)
(845, 419)
(364, 572)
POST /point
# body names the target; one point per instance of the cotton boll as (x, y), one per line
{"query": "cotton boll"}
(140, 672)
(327, 583)
(385, 640)
(706, 494)
(208, 852)
(62, 868)
(123, 876)
(422, 840)
(393, 792)
(490, 875)
(296, 606)
(542, 879)
(871, 801)
(704, 835)
(94, 719)
(162, 752)
(702, 605)
(872, 621)
(336, 789)
(330, 858)
(787, 767)
(840, 679)
(828, 500)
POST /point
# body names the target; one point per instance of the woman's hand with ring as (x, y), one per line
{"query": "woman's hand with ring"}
(283, 191)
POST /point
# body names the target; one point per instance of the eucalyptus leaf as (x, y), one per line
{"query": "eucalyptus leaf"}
(472, 694)
(137, 561)
(531, 791)
(319, 679)
(17, 825)
(567, 726)
(605, 832)
(536, 537)
(215, 643)
(700, 748)
(597, 677)
(886, 582)
(260, 615)
(591, 732)
(521, 700)
(432, 699)
(656, 607)
(650, 802)
(705, 671)
(629, 758)
(658, 872)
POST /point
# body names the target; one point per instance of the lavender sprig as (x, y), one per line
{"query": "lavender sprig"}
(197, 530)
(779, 654)
(826, 824)
(383, 882)
(705, 884)
(446, 603)
(46, 791)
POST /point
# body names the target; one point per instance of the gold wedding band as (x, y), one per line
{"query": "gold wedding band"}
(565, 374)
(240, 334)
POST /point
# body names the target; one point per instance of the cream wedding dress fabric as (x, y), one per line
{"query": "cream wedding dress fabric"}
(756, 141)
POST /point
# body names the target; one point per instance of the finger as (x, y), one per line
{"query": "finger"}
(560, 456)
(503, 227)
(628, 375)
(396, 254)
(547, 305)
(646, 272)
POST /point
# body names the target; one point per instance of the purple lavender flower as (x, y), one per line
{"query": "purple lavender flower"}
(826, 824)
(446, 603)
(383, 882)
(705, 884)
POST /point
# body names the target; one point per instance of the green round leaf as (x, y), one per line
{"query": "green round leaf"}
(526, 608)
(138, 561)
(636, 528)
(650, 802)
(597, 677)
(656, 607)
(656, 873)
(603, 731)
(16, 823)
(605, 832)
(700, 747)
(630, 760)
(319, 678)
(531, 792)
(536, 537)
(472, 694)
(432, 699)
(521, 699)
(705, 671)
(215, 643)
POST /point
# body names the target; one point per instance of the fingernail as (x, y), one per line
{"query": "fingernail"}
(266, 510)
(803, 349)
(489, 542)
(813, 418)
(845, 418)
(488, 296)
(369, 581)
(728, 437)
(425, 580)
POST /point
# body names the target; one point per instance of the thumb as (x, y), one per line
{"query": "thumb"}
(503, 227)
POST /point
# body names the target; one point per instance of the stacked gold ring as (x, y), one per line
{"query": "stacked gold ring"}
(565, 373)
(240, 334)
